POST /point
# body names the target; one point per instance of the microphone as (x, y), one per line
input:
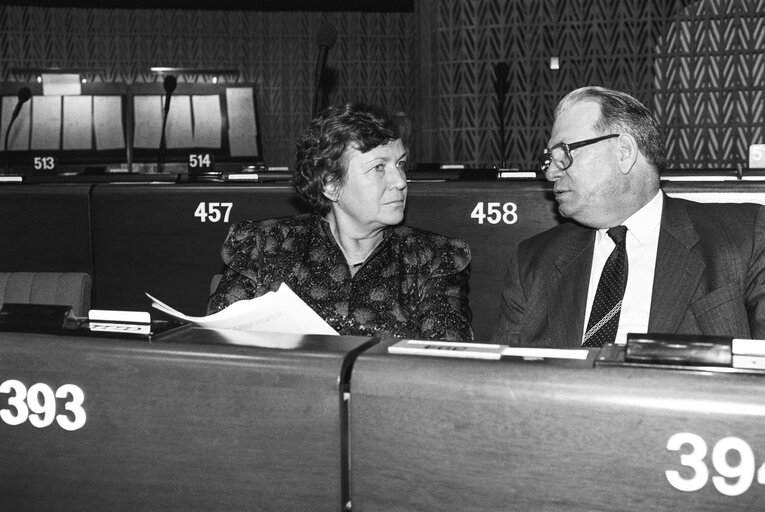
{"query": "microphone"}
(169, 84)
(501, 70)
(325, 39)
(23, 96)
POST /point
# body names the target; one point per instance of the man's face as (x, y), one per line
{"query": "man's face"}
(591, 189)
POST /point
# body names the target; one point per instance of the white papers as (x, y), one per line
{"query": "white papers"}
(107, 119)
(280, 311)
(178, 130)
(207, 121)
(242, 129)
(148, 121)
(46, 122)
(78, 111)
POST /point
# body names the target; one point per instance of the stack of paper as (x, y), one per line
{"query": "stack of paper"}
(279, 311)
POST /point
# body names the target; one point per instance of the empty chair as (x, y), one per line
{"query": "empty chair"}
(63, 288)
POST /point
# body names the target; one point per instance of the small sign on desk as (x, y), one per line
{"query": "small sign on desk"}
(757, 156)
(481, 350)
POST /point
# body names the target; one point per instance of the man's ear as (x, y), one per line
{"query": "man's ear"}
(627, 152)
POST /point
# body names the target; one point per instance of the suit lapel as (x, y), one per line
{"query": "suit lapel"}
(567, 291)
(678, 269)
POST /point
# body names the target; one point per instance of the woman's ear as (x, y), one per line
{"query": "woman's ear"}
(331, 190)
(627, 152)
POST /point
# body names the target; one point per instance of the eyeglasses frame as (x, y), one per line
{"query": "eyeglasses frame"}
(568, 147)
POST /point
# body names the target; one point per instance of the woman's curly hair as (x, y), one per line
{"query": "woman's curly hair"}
(321, 148)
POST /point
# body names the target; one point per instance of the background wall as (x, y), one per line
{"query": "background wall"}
(277, 51)
(700, 64)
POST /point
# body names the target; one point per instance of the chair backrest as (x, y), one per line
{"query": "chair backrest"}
(214, 282)
(65, 288)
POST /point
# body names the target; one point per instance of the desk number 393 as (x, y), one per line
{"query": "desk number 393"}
(733, 479)
(494, 213)
(38, 405)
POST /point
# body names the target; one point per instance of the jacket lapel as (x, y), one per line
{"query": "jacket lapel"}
(678, 269)
(567, 291)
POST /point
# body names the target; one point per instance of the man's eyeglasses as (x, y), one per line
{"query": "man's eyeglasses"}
(561, 152)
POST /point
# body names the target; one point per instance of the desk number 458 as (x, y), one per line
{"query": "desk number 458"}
(494, 213)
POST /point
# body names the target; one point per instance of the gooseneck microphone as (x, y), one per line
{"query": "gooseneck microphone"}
(325, 39)
(169, 84)
(23, 96)
(501, 70)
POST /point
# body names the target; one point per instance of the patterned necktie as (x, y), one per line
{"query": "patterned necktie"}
(604, 317)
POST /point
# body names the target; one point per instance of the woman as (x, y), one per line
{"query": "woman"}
(351, 260)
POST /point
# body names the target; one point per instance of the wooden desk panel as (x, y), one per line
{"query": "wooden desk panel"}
(433, 434)
(524, 208)
(45, 228)
(148, 239)
(185, 424)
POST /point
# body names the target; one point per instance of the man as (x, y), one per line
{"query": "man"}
(689, 268)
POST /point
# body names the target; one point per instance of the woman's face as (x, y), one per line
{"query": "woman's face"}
(374, 192)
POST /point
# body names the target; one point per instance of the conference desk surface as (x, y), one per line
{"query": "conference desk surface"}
(435, 433)
(226, 420)
(195, 421)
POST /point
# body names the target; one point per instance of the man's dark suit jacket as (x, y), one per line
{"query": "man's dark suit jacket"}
(709, 278)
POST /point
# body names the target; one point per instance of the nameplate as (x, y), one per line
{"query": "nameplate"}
(481, 350)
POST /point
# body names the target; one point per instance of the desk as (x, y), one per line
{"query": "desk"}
(166, 239)
(434, 434)
(45, 228)
(153, 238)
(190, 422)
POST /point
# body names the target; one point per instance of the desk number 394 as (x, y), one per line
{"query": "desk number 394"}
(38, 405)
(494, 213)
(732, 480)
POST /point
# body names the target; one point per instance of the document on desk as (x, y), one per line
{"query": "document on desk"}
(279, 311)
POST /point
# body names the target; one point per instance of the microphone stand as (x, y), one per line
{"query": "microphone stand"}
(169, 85)
(23, 96)
(320, 64)
(500, 85)
(325, 38)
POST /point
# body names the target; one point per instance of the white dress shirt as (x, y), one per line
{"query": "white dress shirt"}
(642, 245)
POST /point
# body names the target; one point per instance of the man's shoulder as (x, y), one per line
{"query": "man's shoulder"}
(733, 216)
(562, 234)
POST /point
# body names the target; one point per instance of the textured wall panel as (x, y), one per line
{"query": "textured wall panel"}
(601, 42)
(371, 61)
(699, 63)
(709, 81)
